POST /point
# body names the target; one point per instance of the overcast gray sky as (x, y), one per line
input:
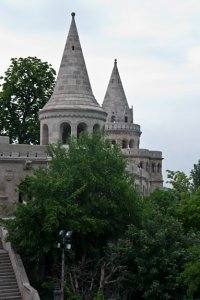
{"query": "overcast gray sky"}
(157, 44)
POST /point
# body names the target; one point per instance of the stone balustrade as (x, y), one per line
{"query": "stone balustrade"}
(17, 152)
(122, 126)
(142, 153)
(20, 155)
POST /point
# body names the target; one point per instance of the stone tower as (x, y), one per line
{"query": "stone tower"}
(119, 122)
(72, 107)
(120, 129)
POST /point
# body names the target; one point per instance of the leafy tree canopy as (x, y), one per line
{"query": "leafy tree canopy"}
(189, 210)
(191, 274)
(152, 258)
(28, 84)
(86, 189)
(123, 246)
(180, 181)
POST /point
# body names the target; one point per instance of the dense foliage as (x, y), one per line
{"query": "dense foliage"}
(85, 189)
(123, 246)
(27, 85)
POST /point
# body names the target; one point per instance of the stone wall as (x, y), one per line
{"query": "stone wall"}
(17, 162)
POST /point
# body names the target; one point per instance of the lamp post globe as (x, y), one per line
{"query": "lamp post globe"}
(65, 244)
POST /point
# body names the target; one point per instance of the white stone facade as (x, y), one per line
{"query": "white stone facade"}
(120, 129)
(72, 109)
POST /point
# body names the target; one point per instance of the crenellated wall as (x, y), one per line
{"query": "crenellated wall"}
(17, 162)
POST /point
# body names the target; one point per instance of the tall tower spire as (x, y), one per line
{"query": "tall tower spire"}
(115, 102)
(72, 102)
(119, 124)
(73, 84)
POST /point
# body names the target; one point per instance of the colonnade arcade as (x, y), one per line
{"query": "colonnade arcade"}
(152, 167)
(66, 130)
(125, 143)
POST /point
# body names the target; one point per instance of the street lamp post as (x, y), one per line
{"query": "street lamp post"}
(64, 245)
(57, 293)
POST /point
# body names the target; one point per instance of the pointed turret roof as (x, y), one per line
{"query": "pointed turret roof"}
(115, 92)
(72, 89)
(115, 102)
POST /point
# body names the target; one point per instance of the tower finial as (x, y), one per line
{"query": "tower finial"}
(115, 61)
(73, 14)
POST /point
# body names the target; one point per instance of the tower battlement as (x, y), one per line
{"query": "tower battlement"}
(20, 151)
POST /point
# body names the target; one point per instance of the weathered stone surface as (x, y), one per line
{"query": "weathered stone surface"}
(72, 102)
(71, 110)
(120, 129)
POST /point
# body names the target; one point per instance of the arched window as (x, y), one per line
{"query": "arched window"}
(126, 119)
(80, 129)
(159, 168)
(45, 135)
(124, 144)
(141, 164)
(131, 143)
(113, 119)
(113, 142)
(96, 127)
(65, 131)
(153, 168)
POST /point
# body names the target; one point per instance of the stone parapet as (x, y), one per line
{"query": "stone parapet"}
(143, 153)
(17, 152)
(122, 126)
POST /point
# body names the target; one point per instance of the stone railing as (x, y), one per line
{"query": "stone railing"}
(27, 291)
(10, 151)
(143, 153)
(19, 155)
(122, 126)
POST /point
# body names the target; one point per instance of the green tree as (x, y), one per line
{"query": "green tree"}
(180, 181)
(152, 259)
(164, 201)
(191, 274)
(28, 84)
(189, 211)
(195, 175)
(86, 189)
(147, 260)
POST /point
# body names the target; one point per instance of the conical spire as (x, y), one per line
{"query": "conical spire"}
(72, 86)
(115, 102)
